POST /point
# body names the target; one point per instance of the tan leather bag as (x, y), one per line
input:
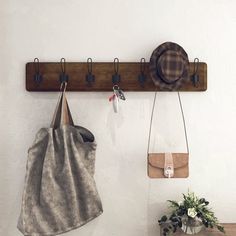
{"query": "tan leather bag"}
(168, 165)
(156, 165)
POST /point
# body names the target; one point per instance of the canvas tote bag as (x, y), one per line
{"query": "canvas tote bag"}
(60, 192)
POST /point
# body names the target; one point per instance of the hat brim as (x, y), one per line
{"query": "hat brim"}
(158, 81)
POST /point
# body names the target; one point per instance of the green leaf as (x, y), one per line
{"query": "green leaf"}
(221, 228)
(202, 200)
(163, 218)
(173, 203)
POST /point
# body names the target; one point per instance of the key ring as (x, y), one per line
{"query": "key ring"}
(116, 87)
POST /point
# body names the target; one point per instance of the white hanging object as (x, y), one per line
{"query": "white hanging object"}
(116, 96)
(115, 103)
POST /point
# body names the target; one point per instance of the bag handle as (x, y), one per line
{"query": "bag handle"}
(182, 112)
(62, 114)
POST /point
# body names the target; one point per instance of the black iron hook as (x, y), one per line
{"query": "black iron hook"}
(63, 65)
(196, 63)
(195, 76)
(116, 77)
(63, 76)
(63, 86)
(142, 65)
(142, 77)
(37, 76)
(90, 78)
(90, 65)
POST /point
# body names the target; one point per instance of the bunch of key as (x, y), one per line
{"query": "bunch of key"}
(116, 96)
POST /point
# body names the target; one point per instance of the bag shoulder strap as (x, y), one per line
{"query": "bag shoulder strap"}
(62, 114)
(182, 113)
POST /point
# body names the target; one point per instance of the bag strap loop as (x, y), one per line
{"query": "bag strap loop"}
(62, 114)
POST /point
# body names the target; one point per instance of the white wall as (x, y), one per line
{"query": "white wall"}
(129, 30)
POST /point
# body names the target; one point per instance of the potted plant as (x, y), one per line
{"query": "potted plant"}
(191, 215)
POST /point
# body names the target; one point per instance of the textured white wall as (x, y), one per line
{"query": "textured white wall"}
(129, 30)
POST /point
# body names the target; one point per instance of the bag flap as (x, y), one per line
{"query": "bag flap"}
(157, 160)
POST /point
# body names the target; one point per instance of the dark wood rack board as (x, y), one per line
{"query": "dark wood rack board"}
(103, 72)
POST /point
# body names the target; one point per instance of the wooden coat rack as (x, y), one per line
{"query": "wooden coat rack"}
(103, 71)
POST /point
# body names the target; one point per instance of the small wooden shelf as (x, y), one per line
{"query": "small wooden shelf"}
(103, 72)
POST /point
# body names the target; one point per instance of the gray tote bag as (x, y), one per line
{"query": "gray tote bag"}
(60, 192)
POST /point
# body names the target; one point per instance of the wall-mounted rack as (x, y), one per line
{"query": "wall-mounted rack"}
(103, 71)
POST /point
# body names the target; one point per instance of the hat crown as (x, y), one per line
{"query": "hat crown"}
(171, 66)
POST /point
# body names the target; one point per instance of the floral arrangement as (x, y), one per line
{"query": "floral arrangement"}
(191, 209)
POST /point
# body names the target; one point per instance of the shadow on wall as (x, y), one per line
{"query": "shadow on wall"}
(154, 210)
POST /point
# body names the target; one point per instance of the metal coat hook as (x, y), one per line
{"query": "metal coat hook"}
(63, 65)
(65, 85)
(116, 76)
(63, 76)
(195, 76)
(142, 77)
(37, 76)
(90, 78)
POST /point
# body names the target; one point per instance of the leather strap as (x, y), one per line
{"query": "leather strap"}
(182, 112)
(62, 114)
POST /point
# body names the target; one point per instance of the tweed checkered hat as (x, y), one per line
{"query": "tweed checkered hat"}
(169, 66)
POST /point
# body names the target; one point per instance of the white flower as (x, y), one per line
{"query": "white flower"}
(180, 203)
(192, 212)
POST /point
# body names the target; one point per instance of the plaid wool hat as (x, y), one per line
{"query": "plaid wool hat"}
(169, 66)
